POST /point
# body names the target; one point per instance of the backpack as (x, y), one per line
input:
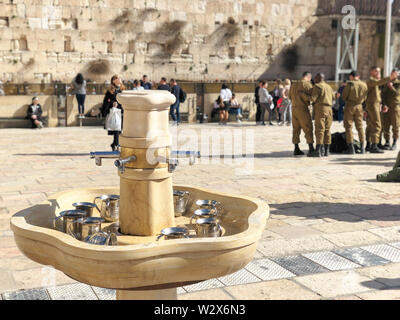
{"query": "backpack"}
(182, 96)
(339, 144)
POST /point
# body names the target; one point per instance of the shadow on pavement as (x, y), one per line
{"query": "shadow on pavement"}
(344, 212)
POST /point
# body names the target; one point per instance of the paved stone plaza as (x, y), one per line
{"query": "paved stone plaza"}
(333, 233)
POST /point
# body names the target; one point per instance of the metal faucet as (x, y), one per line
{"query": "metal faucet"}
(99, 155)
(120, 164)
(173, 161)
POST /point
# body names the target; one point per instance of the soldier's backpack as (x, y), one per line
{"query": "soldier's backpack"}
(339, 144)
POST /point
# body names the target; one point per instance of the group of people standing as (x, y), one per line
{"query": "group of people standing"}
(354, 94)
(275, 102)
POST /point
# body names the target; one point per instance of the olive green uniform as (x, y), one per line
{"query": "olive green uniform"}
(392, 175)
(322, 96)
(373, 102)
(391, 98)
(300, 95)
(354, 94)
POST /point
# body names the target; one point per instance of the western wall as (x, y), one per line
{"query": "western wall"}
(203, 40)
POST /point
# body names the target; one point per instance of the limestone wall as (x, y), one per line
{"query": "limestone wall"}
(48, 40)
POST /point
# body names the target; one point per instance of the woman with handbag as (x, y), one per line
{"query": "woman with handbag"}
(110, 102)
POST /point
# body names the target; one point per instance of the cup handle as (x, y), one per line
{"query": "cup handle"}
(159, 237)
(71, 233)
(54, 220)
(191, 220)
(220, 230)
(94, 201)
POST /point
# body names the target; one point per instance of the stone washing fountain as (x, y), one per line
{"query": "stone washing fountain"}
(142, 266)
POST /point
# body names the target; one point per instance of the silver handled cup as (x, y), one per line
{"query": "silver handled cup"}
(203, 213)
(210, 204)
(70, 221)
(89, 226)
(109, 208)
(103, 239)
(85, 206)
(181, 199)
(208, 228)
(174, 233)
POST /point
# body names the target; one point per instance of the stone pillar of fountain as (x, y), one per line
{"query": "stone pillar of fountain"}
(146, 203)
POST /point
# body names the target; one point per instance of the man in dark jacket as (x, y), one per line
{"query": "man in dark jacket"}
(34, 113)
(145, 83)
(163, 85)
(176, 91)
(257, 101)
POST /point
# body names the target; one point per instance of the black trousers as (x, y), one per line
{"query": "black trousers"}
(258, 114)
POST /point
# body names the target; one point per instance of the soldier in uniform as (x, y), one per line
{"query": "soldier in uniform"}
(322, 96)
(300, 95)
(354, 94)
(391, 96)
(373, 102)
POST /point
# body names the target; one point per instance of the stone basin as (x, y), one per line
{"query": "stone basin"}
(141, 262)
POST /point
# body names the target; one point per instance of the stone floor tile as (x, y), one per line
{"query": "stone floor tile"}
(389, 234)
(272, 290)
(385, 251)
(77, 291)
(295, 232)
(104, 293)
(385, 294)
(361, 257)
(387, 274)
(340, 283)
(240, 277)
(266, 269)
(204, 285)
(283, 247)
(300, 265)
(331, 261)
(33, 294)
(352, 239)
(213, 294)
(340, 227)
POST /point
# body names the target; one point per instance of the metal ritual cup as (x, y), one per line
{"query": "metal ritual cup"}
(181, 199)
(85, 206)
(174, 233)
(109, 208)
(89, 226)
(208, 228)
(102, 238)
(210, 204)
(71, 225)
(203, 214)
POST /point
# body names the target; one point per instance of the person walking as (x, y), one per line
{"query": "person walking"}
(266, 101)
(354, 94)
(391, 95)
(174, 108)
(257, 102)
(79, 90)
(300, 95)
(373, 102)
(109, 101)
(285, 110)
(276, 94)
(322, 97)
